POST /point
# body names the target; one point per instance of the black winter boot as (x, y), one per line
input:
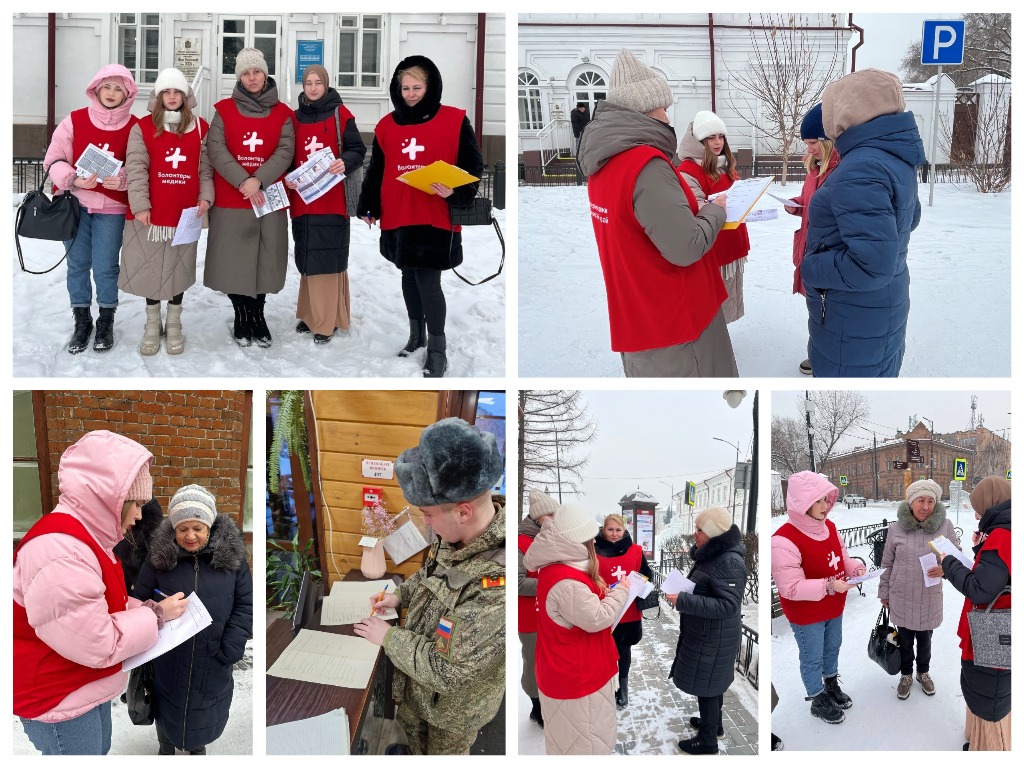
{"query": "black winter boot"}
(695, 722)
(260, 332)
(535, 713)
(824, 707)
(437, 360)
(83, 330)
(832, 688)
(104, 339)
(242, 330)
(622, 695)
(417, 337)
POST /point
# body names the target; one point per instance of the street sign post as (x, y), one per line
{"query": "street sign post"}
(942, 44)
(960, 469)
(843, 480)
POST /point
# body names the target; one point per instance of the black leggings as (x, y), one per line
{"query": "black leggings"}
(626, 635)
(175, 300)
(424, 298)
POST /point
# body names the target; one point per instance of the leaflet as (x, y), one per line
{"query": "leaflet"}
(944, 546)
(675, 583)
(97, 161)
(275, 198)
(867, 576)
(313, 178)
(190, 226)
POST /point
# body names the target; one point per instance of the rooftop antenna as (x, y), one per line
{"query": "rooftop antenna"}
(974, 419)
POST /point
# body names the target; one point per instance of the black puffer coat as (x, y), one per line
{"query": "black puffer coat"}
(421, 246)
(193, 681)
(709, 622)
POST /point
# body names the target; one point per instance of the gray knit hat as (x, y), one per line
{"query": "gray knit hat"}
(541, 504)
(636, 86)
(714, 521)
(923, 488)
(454, 462)
(575, 524)
(193, 502)
(250, 58)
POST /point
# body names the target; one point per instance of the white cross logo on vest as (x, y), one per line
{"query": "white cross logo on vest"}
(411, 148)
(253, 141)
(105, 147)
(176, 158)
(313, 146)
(833, 559)
(618, 572)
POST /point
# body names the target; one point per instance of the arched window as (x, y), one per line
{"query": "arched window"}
(530, 116)
(589, 88)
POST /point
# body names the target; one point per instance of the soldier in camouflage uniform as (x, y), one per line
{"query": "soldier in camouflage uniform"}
(449, 657)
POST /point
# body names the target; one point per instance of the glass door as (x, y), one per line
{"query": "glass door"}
(238, 32)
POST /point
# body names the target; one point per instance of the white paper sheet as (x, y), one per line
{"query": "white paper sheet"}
(323, 657)
(98, 161)
(190, 226)
(349, 602)
(675, 583)
(929, 561)
(173, 633)
(637, 585)
(867, 576)
(404, 542)
(944, 546)
(742, 196)
(276, 199)
(313, 178)
(785, 200)
(325, 734)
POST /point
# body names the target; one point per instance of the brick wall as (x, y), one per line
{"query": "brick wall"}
(195, 437)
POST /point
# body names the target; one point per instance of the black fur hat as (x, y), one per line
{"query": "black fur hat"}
(454, 462)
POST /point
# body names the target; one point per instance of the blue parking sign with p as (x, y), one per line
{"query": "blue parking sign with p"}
(942, 42)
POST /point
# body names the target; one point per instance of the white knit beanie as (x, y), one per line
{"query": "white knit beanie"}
(171, 78)
(923, 488)
(634, 85)
(541, 504)
(706, 124)
(250, 58)
(575, 524)
(193, 502)
(714, 521)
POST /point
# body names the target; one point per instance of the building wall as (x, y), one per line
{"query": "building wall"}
(356, 425)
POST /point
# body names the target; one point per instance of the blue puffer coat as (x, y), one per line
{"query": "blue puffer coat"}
(855, 265)
(193, 681)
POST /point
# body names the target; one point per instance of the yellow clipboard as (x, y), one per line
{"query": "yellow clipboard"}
(752, 191)
(437, 172)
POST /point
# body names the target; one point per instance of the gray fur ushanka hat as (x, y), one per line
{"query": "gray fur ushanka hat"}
(454, 462)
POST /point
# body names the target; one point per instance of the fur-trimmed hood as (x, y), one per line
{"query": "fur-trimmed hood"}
(731, 540)
(905, 517)
(226, 547)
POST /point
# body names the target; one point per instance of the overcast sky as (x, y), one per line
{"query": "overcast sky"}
(888, 35)
(646, 439)
(890, 410)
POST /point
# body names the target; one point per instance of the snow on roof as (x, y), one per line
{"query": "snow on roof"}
(638, 495)
(992, 79)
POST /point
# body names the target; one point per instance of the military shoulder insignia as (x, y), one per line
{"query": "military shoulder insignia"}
(487, 582)
(445, 635)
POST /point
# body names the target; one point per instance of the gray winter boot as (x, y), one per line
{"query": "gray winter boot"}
(151, 335)
(175, 339)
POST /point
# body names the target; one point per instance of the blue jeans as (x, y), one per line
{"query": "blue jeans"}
(819, 645)
(87, 734)
(96, 249)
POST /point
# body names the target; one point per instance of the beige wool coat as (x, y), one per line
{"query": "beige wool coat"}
(911, 604)
(156, 270)
(244, 254)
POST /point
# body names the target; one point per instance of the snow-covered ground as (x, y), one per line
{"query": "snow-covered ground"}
(877, 720)
(961, 249)
(475, 323)
(128, 739)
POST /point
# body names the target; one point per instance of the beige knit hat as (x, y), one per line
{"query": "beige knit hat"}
(250, 58)
(636, 86)
(714, 521)
(141, 488)
(923, 488)
(541, 504)
(706, 123)
(575, 524)
(858, 97)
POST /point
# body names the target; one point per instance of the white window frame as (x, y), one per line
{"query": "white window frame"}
(139, 71)
(361, 32)
(529, 98)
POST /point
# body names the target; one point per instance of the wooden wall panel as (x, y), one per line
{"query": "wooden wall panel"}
(350, 495)
(375, 407)
(366, 439)
(343, 466)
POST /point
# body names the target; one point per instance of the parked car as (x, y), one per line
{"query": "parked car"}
(853, 500)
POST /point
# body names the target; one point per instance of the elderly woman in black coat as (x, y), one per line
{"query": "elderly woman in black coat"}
(709, 624)
(197, 550)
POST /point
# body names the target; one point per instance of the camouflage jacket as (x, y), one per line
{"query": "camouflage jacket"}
(450, 656)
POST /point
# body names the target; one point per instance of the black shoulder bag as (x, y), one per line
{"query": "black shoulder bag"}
(141, 695)
(477, 212)
(353, 176)
(42, 218)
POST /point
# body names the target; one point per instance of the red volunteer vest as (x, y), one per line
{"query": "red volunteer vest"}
(115, 142)
(173, 171)
(310, 138)
(527, 604)
(651, 302)
(570, 663)
(731, 244)
(406, 148)
(42, 677)
(998, 541)
(820, 560)
(251, 141)
(615, 569)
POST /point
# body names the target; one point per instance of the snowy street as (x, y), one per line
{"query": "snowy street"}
(959, 254)
(475, 329)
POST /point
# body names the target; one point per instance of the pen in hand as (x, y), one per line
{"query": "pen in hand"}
(157, 591)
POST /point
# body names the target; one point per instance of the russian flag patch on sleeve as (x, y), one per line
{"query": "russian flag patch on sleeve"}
(444, 634)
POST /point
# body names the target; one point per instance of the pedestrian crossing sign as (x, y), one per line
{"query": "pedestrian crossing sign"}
(843, 480)
(959, 469)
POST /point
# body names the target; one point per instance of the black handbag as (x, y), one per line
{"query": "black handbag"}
(477, 212)
(883, 646)
(650, 606)
(42, 218)
(141, 695)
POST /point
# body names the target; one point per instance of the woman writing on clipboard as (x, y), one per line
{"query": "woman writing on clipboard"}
(417, 235)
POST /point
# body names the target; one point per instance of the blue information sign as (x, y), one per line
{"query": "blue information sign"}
(942, 43)
(307, 52)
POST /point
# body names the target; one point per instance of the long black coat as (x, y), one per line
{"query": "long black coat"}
(986, 691)
(709, 621)
(193, 681)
